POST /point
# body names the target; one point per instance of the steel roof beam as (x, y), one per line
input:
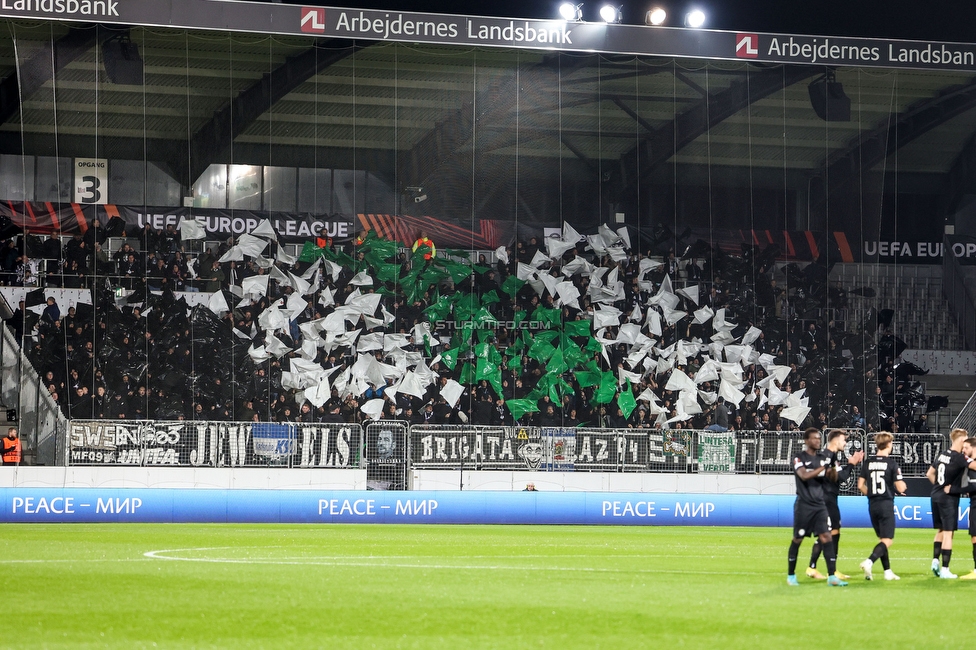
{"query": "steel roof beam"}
(869, 149)
(214, 139)
(47, 61)
(662, 143)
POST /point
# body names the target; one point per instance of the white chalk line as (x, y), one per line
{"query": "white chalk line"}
(383, 562)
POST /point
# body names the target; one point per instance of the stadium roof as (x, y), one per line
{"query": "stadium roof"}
(223, 96)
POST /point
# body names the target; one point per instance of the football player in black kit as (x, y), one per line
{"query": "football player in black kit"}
(837, 473)
(968, 487)
(947, 471)
(809, 511)
(879, 482)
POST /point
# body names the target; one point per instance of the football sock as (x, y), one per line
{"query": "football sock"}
(815, 555)
(878, 552)
(936, 550)
(794, 550)
(946, 556)
(974, 554)
(885, 562)
(836, 544)
(830, 557)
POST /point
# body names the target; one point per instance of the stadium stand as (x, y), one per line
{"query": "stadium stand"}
(570, 333)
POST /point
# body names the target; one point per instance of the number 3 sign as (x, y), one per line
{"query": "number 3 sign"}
(91, 180)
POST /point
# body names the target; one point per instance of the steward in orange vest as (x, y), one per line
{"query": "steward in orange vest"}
(11, 448)
(426, 246)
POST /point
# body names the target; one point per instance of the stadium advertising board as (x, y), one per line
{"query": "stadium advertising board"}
(926, 247)
(68, 505)
(468, 31)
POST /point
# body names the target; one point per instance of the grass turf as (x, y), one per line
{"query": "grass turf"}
(350, 586)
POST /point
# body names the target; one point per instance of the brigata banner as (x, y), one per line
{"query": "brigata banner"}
(468, 31)
(81, 505)
(475, 447)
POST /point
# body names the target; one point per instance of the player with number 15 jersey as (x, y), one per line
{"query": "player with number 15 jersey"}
(880, 480)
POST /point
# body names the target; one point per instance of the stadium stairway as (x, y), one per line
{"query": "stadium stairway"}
(922, 320)
(914, 291)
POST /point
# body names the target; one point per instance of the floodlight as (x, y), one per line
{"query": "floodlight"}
(610, 14)
(655, 16)
(695, 18)
(571, 12)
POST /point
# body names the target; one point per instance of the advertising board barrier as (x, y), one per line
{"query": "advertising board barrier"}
(79, 505)
(146, 443)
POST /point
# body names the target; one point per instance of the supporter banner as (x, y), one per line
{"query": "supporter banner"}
(469, 31)
(475, 447)
(334, 445)
(716, 453)
(273, 441)
(598, 450)
(914, 452)
(70, 505)
(386, 455)
(559, 448)
(212, 444)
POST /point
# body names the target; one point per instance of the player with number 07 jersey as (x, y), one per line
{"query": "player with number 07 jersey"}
(880, 480)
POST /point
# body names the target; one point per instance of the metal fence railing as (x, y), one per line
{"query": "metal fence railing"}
(26, 399)
(387, 450)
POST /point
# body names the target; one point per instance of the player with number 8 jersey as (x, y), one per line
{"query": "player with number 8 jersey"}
(947, 471)
(880, 481)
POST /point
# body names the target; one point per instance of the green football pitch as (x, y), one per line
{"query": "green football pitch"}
(350, 586)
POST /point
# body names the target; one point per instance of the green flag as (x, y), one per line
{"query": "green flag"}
(450, 357)
(577, 328)
(439, 310)
(626, 400)
(491, 372)
(557, 365)
(511, 285)
(311, 252)
(540, 350)
(586, 378)
(458, 272)
(608, 388)
(387, 272)
(467, 374)
(519, 407)
(548, 317)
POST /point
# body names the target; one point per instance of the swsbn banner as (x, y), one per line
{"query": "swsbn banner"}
(213, 444)
(68, 505)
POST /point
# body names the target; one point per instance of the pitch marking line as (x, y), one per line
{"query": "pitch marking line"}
(354, 561)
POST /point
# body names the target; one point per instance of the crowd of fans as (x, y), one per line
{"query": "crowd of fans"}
(149, 355)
